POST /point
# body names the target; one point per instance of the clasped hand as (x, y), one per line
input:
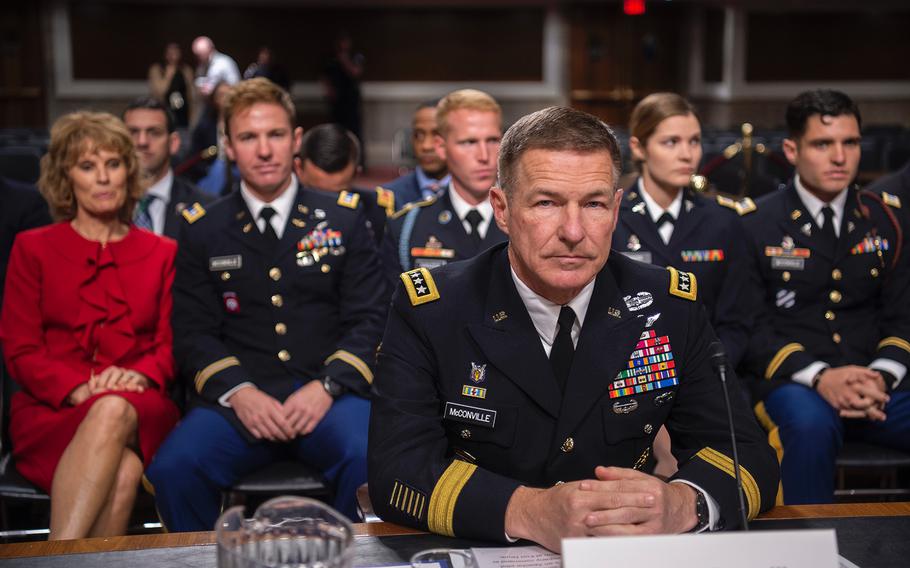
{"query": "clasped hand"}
(618, 501)
(111, 379)
(856, 392)
(268, 419)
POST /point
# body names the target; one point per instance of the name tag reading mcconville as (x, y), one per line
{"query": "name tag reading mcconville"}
(470, 414)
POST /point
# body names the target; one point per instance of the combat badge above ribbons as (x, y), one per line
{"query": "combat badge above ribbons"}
(318, 243)
(420, 286)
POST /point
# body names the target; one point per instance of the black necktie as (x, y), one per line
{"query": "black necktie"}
(474, 218)
(828, 226)
(270, 235)
(563, 349)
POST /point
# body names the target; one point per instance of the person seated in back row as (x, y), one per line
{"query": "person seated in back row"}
(458, 223)
(431, 176)
(832, 340)
(86, 332)
(279, 307)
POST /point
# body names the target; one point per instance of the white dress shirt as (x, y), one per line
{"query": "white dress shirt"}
(157, 209)
(282, 206)
(462, 208)
(655, 211)
(221, 68)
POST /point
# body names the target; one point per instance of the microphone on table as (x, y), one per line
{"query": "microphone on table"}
(719, 362)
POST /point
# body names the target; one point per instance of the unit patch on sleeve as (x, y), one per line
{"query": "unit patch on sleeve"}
(420, 286)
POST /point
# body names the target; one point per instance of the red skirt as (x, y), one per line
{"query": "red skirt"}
(41, 433)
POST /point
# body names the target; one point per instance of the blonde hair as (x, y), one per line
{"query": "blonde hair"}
(77, 134)
(470, 99)
(247, 93)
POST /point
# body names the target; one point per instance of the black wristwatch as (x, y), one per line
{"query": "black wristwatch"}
(701, 511)
(334, 389)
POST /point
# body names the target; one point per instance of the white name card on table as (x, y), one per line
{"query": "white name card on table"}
(756, 549)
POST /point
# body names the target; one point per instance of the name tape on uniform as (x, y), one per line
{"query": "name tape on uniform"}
(230, 262)
(471, 414)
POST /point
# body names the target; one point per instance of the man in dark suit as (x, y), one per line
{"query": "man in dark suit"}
(518, 393)
(430, 177)
(833, 337)
(278, 310)
(458, 223)
(154, 133)
(23, 209)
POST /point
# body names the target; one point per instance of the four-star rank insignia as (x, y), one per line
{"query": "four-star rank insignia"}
(420, 286)
(683, 284)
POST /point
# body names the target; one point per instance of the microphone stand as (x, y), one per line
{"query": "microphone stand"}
(718, 358)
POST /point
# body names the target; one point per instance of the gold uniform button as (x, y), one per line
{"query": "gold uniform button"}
(325, 268)
(836, 274)
(568, 445)
(836, 338)
(874, 272)
(830, 316)
(284, 356)
(786, 276)
(225, 276)
(648, 428)
(281, 328)
(277, 300)
(275, 273)
(835, 296)
(465, 433)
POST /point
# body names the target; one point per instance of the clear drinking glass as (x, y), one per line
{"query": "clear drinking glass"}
(443, 558)
(285, 532)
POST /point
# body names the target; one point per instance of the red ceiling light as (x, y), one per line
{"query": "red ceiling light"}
(633, 7)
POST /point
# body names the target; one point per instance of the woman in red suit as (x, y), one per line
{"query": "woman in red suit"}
(86, 332)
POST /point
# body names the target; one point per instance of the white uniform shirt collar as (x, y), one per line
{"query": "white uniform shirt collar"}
(814, 205)
(282, 206)
(462, 207)
(544, 313)
(655, 210)
(162, 188)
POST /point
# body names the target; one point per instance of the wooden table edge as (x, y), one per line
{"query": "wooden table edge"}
(170, 540)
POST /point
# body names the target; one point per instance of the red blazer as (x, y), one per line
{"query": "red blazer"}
(72, 307)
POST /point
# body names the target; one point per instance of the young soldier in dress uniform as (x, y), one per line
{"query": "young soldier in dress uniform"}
(664, 222)
(518, 393)
(833, 338)
(459, 223)
(278, 312)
